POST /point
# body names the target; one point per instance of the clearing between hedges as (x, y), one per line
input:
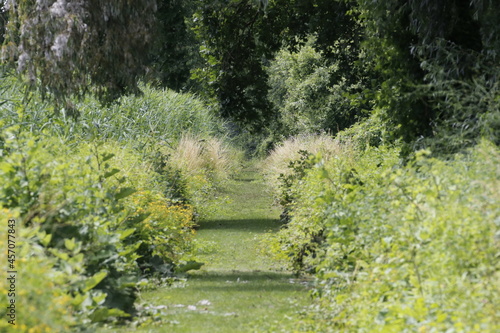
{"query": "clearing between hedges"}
(239, 289)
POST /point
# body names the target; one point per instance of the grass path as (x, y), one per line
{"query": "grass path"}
(238, 289)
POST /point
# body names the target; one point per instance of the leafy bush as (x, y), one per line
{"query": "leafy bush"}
(309, 93)
(466, 110)
(162, 228)
(78, 203)
(400, 248)
(372, 131)
(67, 197)
(41, 304)
(304, 233)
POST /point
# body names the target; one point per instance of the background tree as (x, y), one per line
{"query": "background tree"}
(312, 93)
(239, 39)
(233, 50)
(428, 54)
(70, 47)
(175, 50)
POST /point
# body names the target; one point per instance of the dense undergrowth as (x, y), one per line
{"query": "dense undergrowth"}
(396, 245)
(395, 210)
(103, 205)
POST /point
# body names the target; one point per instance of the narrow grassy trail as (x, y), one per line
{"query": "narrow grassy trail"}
(239, 289)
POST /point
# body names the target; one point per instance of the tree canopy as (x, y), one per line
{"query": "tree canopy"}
(403, 59)
(69, 47)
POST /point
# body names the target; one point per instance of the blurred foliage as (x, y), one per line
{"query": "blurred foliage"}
(429, 57)
(44, 304)
(77, 212)
(66, 48)
(239, 38)
(399, 238)
(175, 49)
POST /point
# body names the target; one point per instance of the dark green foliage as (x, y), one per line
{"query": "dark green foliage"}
(3, 22)
(239, 38)
(420, 48)
(231, 45)
(175, 49)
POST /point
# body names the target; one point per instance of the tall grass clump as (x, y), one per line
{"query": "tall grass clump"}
(155, 115)
(280, 162)
(202, 165)
(212, 156)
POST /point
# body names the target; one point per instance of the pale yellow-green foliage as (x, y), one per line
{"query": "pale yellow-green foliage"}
(136, 171)
(280, 157)
(41, 299)
(211, 156)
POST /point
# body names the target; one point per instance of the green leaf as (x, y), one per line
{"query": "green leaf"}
(111, 173)
(78, 299)
(125, 233)
(94, 280)
(124, 192)
(75, 260)
(6, 167)
(59, 254)
(130, 249)
(190, 265)
(70, 244)
(102, 314)
(139, 218)
(99, 299)
(107, 156)
(44, 238)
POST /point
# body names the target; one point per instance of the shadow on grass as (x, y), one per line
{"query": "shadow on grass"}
(253, 225)
(248, 282)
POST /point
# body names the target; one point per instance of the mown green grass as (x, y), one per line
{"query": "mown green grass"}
(239, 289)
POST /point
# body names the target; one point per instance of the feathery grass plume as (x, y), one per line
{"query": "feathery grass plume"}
(212, 157)
(278, 161)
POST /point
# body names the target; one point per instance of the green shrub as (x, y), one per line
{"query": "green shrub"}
(309, 93)
(164, 230)
(67, 196)
(466, 110)
(372, 131)
(42, 304)
(400, 248)
(102, 200)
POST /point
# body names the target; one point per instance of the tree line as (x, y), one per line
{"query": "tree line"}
(428, 69)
